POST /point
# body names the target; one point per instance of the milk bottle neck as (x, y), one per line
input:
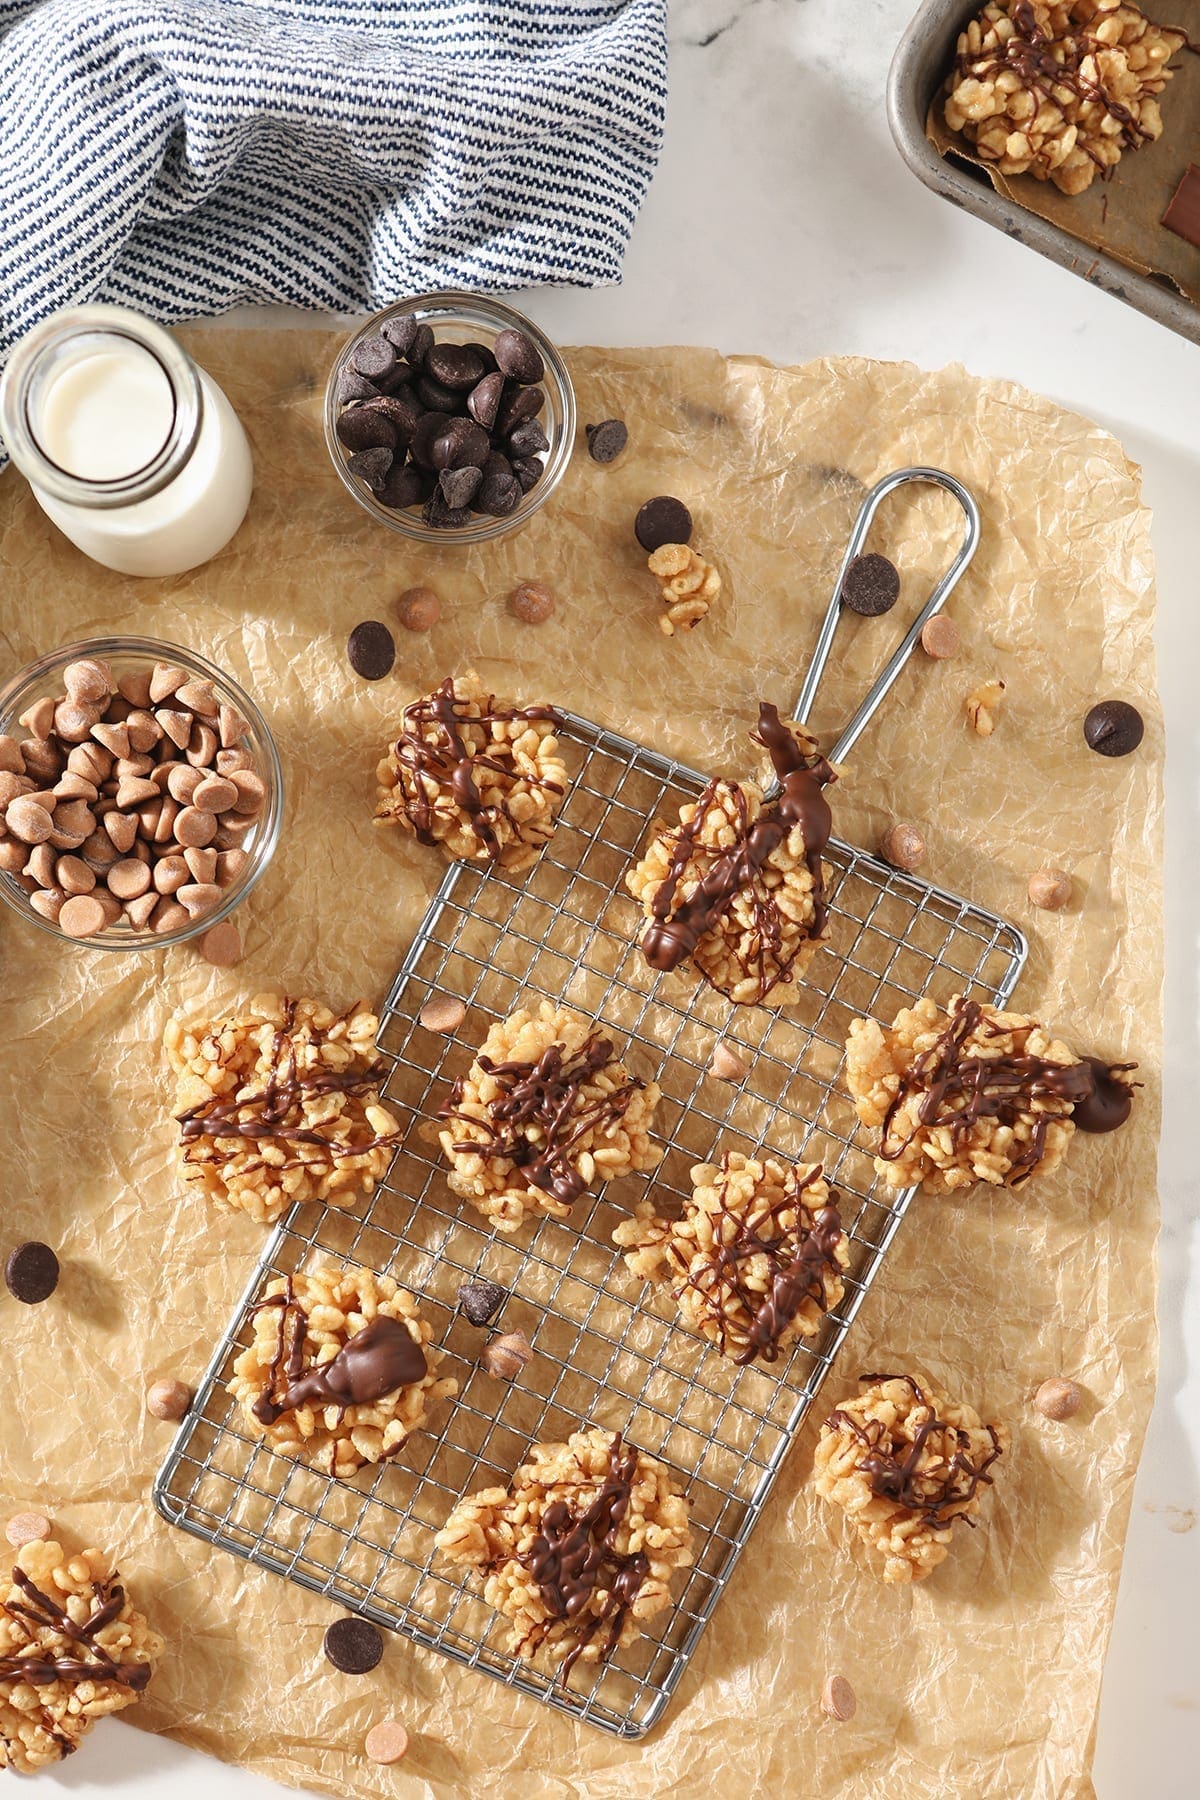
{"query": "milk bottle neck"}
(100, 407)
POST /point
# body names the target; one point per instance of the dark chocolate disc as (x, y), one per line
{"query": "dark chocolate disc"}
(374, 358)
(456, 366)
(400, 333)
(517, 355)
(354, 1646)
(871, 585)
(31, 1273)
(366, 428)
(1114, 728)
(371, 649)
(663, 520)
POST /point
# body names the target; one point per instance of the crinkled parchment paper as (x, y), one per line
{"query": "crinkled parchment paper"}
(985, 1678)
(1123, 215)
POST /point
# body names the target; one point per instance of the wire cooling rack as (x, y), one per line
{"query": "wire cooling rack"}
(608, 1350)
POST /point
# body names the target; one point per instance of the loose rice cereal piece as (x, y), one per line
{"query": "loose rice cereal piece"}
(545, 1110)
(481, 779)
(755, 1262)
(281, 1103)
(578, 1552)
(67, 1620)
(974, 1094)
(904, 1462)
(340, 1370)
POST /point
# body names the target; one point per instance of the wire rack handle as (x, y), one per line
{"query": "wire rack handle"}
(941, 593)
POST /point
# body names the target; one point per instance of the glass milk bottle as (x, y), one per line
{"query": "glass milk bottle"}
(133, 451)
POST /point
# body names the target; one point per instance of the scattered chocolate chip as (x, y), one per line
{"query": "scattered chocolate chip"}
(400, 333)
(437, 398)
(479, 1301)
(532, 602)
(527, 439)
(353, 386)
(838, 1699)
(1058, 1399)
(505, 1357)
(372, 466)
(871, 585)
(663, 520)
(606, 441)
(517, 355)
(726, 1065)
(419, 609)
(460, 486)
(1114, 728)
(1050, 889)
(940, 637)
(168, 1400)
(374, 358)
(364, 428)
(483, 402)
(456, 366)
(442, 1012)
(354, 1646)
(31, 1273)
(903, 846)
(371, 649)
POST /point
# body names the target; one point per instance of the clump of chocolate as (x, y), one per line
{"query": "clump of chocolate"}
(450, 428)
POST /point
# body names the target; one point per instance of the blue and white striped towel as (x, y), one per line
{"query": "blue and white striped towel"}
(180, 156)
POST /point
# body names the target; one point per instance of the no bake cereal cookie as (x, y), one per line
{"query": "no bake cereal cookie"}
(481, 779)
(545, 1110)
(756, 1260)
(578, 1552)
(1058, 89)
(281, 1103)
(72, 1648)
(340, 1371)
(737, 887)
(975, 1094)
(904, 1462)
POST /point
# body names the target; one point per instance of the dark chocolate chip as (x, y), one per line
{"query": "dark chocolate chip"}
(374, 358)
(437, 398)
(406, 486)
(455, 366)
(399, 381)
(485, 356)
(528, 471)
(353, 386)
(479, 1301)
(460, 486)
(363, 428)
(441, 517)
(425, 437)
(371, 649)
(871, 585)
(31, 1273)
(371, 466)
(663, 520)
(519, 403)
(401, 410)
(607, 440)
(528, 439)
(517, 355)
(354, 1646)
(497, 464)
(471, 445)
(1114, 728)
(483, 402)
(498, 495)
(420, 347)
(400, 333)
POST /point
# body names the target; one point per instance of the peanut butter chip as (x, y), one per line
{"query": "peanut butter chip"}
(27, 1528)
(903, 847)
(221, 945)
(940, 637)
(1058, 1399)
(386, 1742)
(215, 794)
(28, 820)
(82, 916)
(442, 1013)
(419, 609)
(129, 878)
(838, 1698)
(194, 828)
(168, 1399)
(1050, 888)
(727, 1065)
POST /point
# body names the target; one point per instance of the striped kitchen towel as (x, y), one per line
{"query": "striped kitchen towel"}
(180, 156)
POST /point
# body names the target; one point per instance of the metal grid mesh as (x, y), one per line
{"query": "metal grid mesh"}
(609, 1351)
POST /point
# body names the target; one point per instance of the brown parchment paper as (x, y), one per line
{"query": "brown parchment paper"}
(1121, 216)
(985, 1678)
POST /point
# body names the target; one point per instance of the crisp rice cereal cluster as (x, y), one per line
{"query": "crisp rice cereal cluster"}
(297, 1087)
(43, 1721)
(569, 1115)
(904, 1462)
(890, 1072)
(688, 586)
(329, 1306)
(1058, 90)
(768, 933)
(563, 1496)
(755, 1261)
(481, 778)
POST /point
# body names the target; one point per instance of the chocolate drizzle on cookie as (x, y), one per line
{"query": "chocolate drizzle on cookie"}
(958, 1090)
(442, 761)
(275, 1112)
(536, 1121)
(800, 1256)
(575, 1554)
(936, 1493)
(89, 1661)
(377, 1360)
(678, 925)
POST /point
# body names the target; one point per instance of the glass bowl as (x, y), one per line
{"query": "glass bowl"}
(461, 319)
(123, 655)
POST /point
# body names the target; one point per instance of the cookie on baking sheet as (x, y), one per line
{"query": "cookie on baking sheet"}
(72, 1648)
(578, 1551)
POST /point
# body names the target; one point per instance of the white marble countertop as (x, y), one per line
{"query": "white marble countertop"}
(783, 222)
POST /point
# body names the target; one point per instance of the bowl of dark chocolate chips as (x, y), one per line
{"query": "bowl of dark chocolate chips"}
(450, 418)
